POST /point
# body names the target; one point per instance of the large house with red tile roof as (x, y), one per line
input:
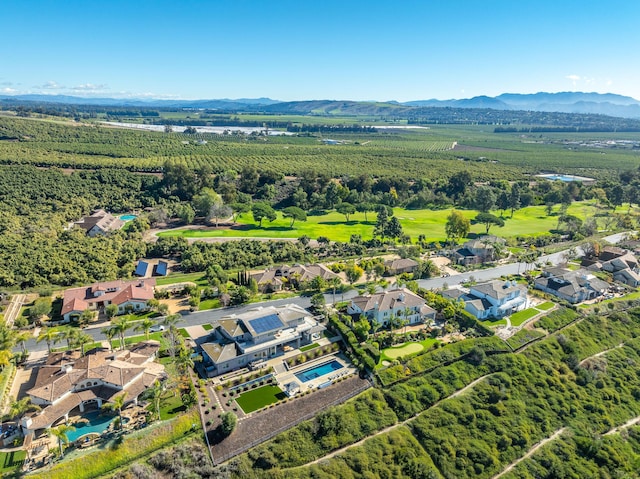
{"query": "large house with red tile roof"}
(68, 381)
(133, 295)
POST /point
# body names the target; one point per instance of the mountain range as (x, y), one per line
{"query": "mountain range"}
(565, 102)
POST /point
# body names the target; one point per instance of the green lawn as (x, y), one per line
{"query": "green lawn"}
(308, 347)
(406, 349)
(494, 322)
(197, 278)
(136, 339)
(545, 306)
(171, 406)
(532, 220)
(10, 461)
(260, 397)
(183, 332)
(207, 327)
(209, 304)
(521, 316)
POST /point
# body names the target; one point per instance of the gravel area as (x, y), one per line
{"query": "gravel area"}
(260, 427)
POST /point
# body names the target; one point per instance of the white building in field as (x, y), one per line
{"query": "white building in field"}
(395, 303)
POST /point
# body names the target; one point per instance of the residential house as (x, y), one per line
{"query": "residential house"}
(389, 304)
(571, 286)
(127, 295)
(274, 279)
(99, 223)
(621, 263)
(400, 266)
(68, 381)
(244, 339)
(481, 250)
(493, 299)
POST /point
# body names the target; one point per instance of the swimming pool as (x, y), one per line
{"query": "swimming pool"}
(97, 424)
(317, 371)
(128, 217)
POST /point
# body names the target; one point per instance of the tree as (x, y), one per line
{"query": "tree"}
(80, 339)
(19, 408)
(458, 184)
(503, 202)
(204, 200)
(346, 209)
(144, 326)
(219, 210)
(335, 283)
(615, 196)
(111, 310)
(261, 211)
(514, 198)
(171, 333)
(381, 222)
(295, 213)
(154, 394)
(229, 421)
(61, 433)
(21, 338)
(485, 199)
(394, 228)
(86, 317)
(116, 405)
(353, 273)
(238, 209)
(488, 220)
(49, 336)
(318, 301)
(365, 208)
(110, 333)
(41, 307)
(457, 226)
(375, 326)
(120, 326)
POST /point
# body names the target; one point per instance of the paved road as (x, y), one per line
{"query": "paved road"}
(212, 316)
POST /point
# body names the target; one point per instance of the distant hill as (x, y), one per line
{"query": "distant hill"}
(563, 102)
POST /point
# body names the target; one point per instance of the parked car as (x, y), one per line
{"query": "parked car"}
(156, 328)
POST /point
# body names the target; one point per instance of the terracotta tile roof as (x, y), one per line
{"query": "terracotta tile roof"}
(117, 292)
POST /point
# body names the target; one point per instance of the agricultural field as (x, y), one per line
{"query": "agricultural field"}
(424, 153)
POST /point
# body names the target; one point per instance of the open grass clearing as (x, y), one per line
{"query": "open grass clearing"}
(494, 322)
(545, 306)
(11, 461)
(209, 304)
(174, 278)
(207, 327)
(260, 397)
(532, 220)
(136, 339)
(520, 317)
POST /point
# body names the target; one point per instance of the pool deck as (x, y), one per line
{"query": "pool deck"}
(289, 375)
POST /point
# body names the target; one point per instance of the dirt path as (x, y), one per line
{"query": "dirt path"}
(601, 353)
(627, 424)
(13, 309)
(393, 426)
(531, 452)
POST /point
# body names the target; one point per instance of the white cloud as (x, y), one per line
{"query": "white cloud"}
(9, 90)
(51, 85)
(90, 87)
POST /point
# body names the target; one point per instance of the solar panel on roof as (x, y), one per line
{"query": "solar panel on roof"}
(266, 323)
(161, 269)
(141, 269)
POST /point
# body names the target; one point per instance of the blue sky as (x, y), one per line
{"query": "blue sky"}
(300, 50)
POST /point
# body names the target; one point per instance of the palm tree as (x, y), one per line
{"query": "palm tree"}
(145, 326)
(67, 333)
(183, 362)
(80, 339)
(375, 326)
(109, 333)
(154, 393)
(18, 408)
(61, 432)
(120, 326)
(7, 337)
(171, 333)
(21, 338)
(50, 336)
(335, 283)
(116, 405)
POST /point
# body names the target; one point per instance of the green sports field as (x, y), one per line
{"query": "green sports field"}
(532, 220)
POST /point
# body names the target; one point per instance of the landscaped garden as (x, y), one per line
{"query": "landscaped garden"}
(258, 398)
(407, 349)
(520, 317)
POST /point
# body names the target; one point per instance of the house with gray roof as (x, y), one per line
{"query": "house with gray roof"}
(261, 333)
(478, 251)
(274, 279)
(572, 286)
(395, 303)
(99, 223)
(400, 266)
(493, 299)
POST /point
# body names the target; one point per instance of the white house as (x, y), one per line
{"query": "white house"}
(396, 303)
(493, 299)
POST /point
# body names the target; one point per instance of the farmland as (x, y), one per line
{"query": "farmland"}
(424, 153)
